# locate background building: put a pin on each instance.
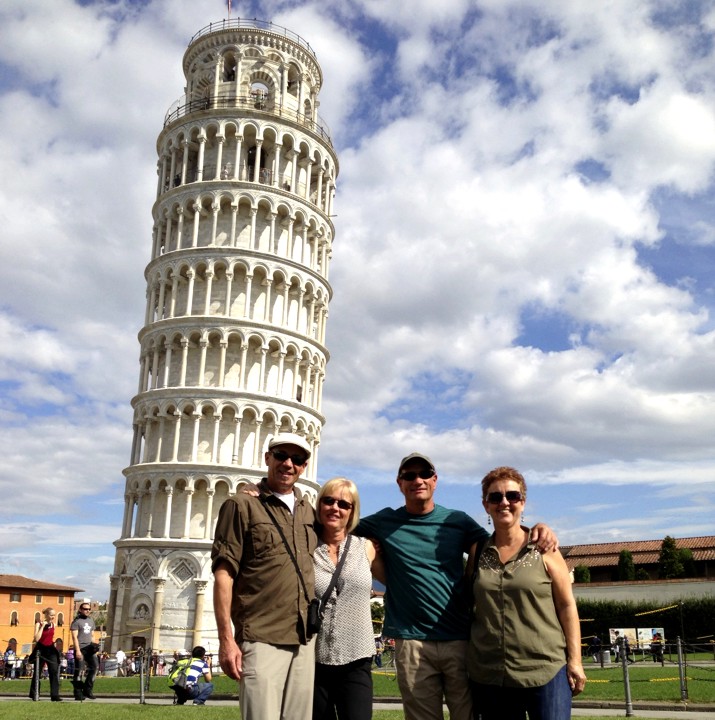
(22, 601)
(232, 348)
(602, 558)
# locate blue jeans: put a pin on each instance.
(546, 702)
(199, 692)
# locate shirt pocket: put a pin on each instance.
(265, 540)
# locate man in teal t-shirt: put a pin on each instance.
(423, 545)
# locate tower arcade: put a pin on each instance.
(232, 349)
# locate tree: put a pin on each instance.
(669, 564)
(581, 574)
(642, 574)
(626, 568)
(377, 610)
(685, 555)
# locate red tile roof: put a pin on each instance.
(645, 552)
(18, 582)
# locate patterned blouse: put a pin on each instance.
(346, 634)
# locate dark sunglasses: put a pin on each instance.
(283, 456)
(512, 496)
(411, 475)
(330, 501)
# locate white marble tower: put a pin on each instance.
(233, 342)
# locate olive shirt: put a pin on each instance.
(516, 636)
(269, 604)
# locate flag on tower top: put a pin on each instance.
(228, 2)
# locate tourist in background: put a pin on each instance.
(46, 651)
(85, 653)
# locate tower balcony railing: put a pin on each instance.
(267, 25)
(185, 106)
(246, 173)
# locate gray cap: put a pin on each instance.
(289, 439)
(416, 456)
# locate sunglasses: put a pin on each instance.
(85, 609)
(330, 501)
(411, 475)
(283, 456)
(512, 496)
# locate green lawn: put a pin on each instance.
(26, 710)
(648, 681)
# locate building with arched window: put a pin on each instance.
(233, 342)
(22, 601)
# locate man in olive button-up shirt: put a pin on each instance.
(257, 589)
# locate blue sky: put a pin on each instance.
(523, 269)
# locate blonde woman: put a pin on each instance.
(345, 643)
(45, 648)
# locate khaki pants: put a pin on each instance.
(277, 681)
(427, 671)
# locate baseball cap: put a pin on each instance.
(289, 439)
(416, 456)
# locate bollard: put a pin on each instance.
(626, 678)
(36, 676)
(681, 672)
(140, 658)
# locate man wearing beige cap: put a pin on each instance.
(423, 546)
(258, 590)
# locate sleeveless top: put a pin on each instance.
(346, 633)
(516, 638)
(48, 635)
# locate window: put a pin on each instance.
(37, 617)
(60, 619)
(15, 597)
(60, 599)
(38, 598)
(13, 619)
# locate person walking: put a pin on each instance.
(85, 653)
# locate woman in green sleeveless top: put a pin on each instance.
(525, 646)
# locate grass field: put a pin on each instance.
(25, 710)
(648, 681)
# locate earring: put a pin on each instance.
(489, 519)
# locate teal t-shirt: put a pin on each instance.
(423, 554)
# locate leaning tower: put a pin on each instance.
(233, 342)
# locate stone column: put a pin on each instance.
(200, 586)
(158, 609)
(167, 518)
(111, 613)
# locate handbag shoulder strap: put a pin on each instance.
(287, 546)
(336, 573)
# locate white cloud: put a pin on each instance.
(502, 174)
